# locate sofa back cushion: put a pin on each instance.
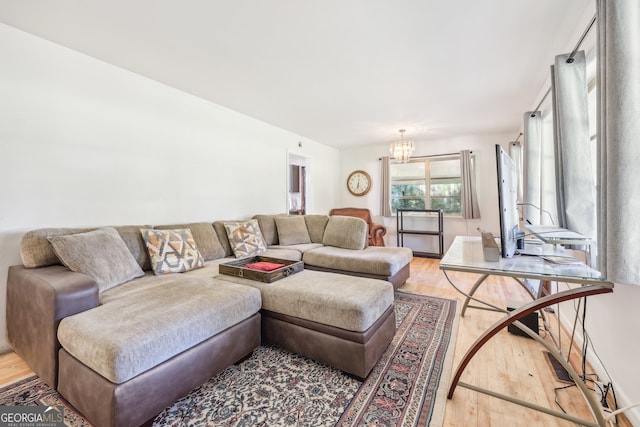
(205, 237)
(346, 232)
(268, 227)
(292, 230)
(36, 250)
(100, 254)
(221, 232)
(316, 225)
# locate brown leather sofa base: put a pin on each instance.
(352, 352)
(136, 401)
(37, 299)
(396, 280)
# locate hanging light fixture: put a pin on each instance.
(402, 150)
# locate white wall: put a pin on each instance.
(483, 147)
(85, 143)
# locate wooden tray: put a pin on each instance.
(238, 269)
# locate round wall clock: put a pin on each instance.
(359, 183)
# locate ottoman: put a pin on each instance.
(343, 321)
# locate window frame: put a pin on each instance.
(428, 196)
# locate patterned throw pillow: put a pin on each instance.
(245, 238)
(172, 251)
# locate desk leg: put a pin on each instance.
(471, 292)
(515, 316)
(469, 296)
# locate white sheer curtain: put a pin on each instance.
(532, 139)
(470, 206)
(515, 152)
(618, 133)
(576, 194)
(385, 196)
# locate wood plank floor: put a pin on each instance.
(508, 364)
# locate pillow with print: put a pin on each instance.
(245, 238)
(172, 251)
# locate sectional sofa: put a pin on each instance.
(125, 320)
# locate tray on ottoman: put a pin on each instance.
(239, 269)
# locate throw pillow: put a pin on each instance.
(292, 230)
(245, 238)
(100, 254)
(172, 251)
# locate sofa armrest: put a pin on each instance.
(37, 299)
(377, 233)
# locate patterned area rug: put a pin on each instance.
(277, 388)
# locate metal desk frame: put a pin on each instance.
(465, 255)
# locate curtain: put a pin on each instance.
(515, 152)
(576, 196)
(618, 148)
(385, 197)
(532, 135)
(470, 206)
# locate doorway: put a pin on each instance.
(298, 185)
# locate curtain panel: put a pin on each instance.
(385, 196)
(618, 148)
(576, 195)
(470, 205)
(532, 140)
(515, 152)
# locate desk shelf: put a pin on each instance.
(439, 233)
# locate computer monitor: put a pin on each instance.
(507, 201)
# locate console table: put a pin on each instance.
(465, 255)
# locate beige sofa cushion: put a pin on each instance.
(301, 248)
(346, 232)
(292, 230)
(221, 232)
(347, 302)
(205, 237)
(268, 228)
(36, 251)
(316, 225)
(382, 261)
(164, 316)
(100, 254)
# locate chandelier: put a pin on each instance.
(402, 150)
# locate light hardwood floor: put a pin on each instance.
(508, 364)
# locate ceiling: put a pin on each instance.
(340, 72)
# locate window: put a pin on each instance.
(432, 183)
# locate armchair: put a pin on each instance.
(376, 231)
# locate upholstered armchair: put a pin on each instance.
(376, 231)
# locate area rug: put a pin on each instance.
(277, 388)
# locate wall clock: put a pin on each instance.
(359, 183)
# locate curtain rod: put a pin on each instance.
(433, 155)
(569, 60)
(575, 49)
(517, 138)
(533, 112)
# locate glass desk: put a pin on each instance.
(465, 255)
